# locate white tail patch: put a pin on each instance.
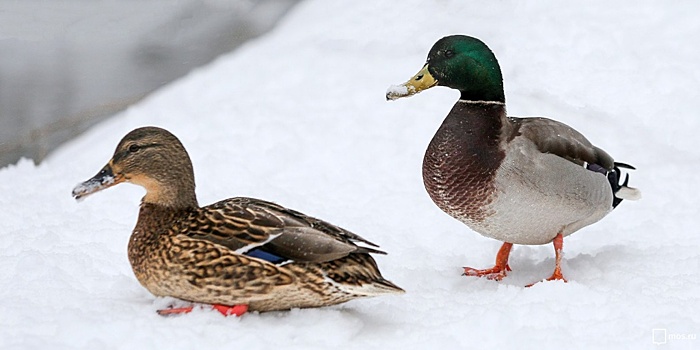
(629, 193)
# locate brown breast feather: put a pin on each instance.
(461, 160)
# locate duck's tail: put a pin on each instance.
(622, 191)
(358, 274)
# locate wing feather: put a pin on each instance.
(557, 138)
(242, 224)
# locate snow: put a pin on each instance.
(299, 117)
(91, 186)
(396, 91)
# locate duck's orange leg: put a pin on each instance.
(558, 246)
(225, 310)
(499, 270)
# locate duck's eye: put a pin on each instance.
(134, 148)
(449, 53)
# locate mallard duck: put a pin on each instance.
(518, 180)
(238, 254)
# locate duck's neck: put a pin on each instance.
(492, 93)
(153, 218)
(473, 129)
(176, 193)
(150, 217)
(479, 82)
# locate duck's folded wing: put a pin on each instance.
(294, 218)
(232, 225)
(272, 232)
(557, 138)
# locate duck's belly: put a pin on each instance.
(535, 197)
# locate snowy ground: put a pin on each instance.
(299, 117)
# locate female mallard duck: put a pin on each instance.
(517, 180)
(237, 254)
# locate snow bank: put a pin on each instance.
(299, 117)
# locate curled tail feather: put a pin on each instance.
(622, 191)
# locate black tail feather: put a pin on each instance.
(614, 179)
(625, 166)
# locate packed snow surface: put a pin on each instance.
(299, 117)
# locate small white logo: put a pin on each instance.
(658, 336)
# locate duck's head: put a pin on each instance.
(458, 62)
(153, 158)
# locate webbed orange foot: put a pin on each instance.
(236, 310)
(226, 310)
(495, 273)
(499, 270)
(175, 311)
(557, 275)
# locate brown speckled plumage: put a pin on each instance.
(198, 254)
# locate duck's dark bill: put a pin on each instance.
(105, 178)
(423, 80)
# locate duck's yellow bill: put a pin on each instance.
(421, 81)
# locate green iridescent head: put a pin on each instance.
(458, 62)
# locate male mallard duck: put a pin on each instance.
(237, 254)
(517, 180)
